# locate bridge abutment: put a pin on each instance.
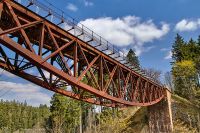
(160, 116)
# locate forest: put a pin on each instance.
(72, 116)
(186, 68)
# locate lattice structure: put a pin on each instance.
(69, 60)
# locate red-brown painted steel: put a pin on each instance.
(94, 76)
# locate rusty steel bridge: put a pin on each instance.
(68, 58)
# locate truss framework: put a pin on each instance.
(29, 41)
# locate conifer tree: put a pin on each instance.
(186, 66)
(198, 41)
(64, 114)
(133, 59)
(177, 48)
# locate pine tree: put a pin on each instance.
(177, 48)
(190, 50)
(198, 41)
(16, 116)
(58, 110)
(64, 114)
(133, 59)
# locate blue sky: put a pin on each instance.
(148, 27)
(170, 12)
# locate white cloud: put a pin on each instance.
(127, 31)
(88, 3)
(21, 92)
(72, 7)
(168, 56)
(164, 49)
(47, 75)
(168, 53)
(6, 73)
(187, 25)
(139, 49)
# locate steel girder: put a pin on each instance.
(29, 41)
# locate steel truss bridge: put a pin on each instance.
(59, 54)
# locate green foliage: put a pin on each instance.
(126, 120)
(182, 100)
(177, 48)
(184, 69)
(137, 122)
(185, 112)
(62, 116)
(133, 59)
(15, 115)
(184, 78)
(186, 66)
(65, 113)
(110, 120)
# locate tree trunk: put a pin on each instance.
(81, 130)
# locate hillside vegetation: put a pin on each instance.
(186, 118)
(19, 116)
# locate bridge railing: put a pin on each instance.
(61, 19)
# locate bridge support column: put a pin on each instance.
(160, 116)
